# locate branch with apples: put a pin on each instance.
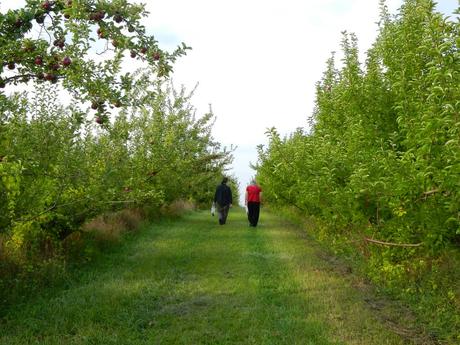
(53, 41)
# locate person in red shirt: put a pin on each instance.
(252, 202)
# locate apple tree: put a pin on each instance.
(81, 43)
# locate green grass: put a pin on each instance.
(191, 281)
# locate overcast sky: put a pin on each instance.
(257, 61)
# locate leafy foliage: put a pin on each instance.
(59, 170)
(382, 160)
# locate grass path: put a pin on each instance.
(192, 281)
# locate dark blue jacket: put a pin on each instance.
(223, 195)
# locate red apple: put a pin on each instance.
(59, 42)
(66, 61)
(11, 65)
(39, 60)
(50, 77)
(46, 5)
(118, 18)
(156, 56)
(97, 16)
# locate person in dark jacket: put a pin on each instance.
(223, 200)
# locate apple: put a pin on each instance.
(46, 5)
(40, 19)
(143, 50)
(11, 65)
(28, 47)
(50, 77)
(133, 54)
(156, 56)
(99, 120)
(38, 60)
(97, 16)
(101, 33)
(18, 23)
(118, 18)
(66, 61)
(59, 42)
(94, 105)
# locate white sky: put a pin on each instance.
(257, 61)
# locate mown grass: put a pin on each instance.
(191, 281)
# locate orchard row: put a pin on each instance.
(380, 167)
(57, 169)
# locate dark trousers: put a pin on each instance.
(253, 212)
(222, 212)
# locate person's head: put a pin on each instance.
(224, 180)
(253, 181)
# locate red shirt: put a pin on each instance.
(253, 193)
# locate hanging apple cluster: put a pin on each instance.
(48, 41)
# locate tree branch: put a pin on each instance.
(392, 244)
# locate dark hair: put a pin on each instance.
(224, 180)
